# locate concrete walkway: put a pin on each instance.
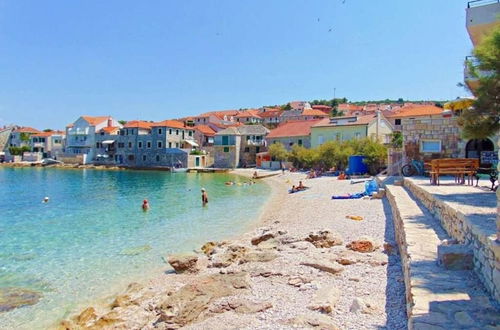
(437, 298)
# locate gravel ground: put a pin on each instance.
(376, 278)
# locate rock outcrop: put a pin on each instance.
(11, 298)
(183, 263)
(364, 244)
(324, 239)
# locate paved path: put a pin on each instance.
(442, 299)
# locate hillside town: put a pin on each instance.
(240, 138)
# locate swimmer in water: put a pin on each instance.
(204, 197)
(145, 205)
(45, 200)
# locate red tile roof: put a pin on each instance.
(314, 112)
(95, 120)
(171, 123)
(205, 130)
(138, 124)
(27, 130)
(349, 107)
(271, 113)
(110, 129)
(416, 111)
(293, 128)
(219, 114)
(252, 113)
(45, 134)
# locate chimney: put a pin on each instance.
(110, 122)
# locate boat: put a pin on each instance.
(179, 170)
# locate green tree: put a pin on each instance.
(122, 122)
(25, 137)
(48, 130)
(278, 152)
(286, 107)
(18, 151)
(483, 119)
(397, 139)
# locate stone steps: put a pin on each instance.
(437, 298)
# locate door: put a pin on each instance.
(197, 162)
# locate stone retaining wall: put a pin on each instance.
(460, 227)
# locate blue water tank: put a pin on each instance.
(356, 165)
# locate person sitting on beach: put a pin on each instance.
(311, 175)
(301, 186)
(145, 205)
(294, 189)
(255, 175)
(342, 176)
(204, 197)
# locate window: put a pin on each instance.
(177, 144)
(148, 144)
(130, 144)
(157, 158)
(139, 144)
(299, 142)
(247, 149)
(160, 145)
(144, 158)
(226, 149)
(357, 135)
(257, 150)
(97, 145)
(225, 140)
(160, 131)
(121, 145)
(170, 144)
(290, 144)
(130, 157)
(430, 145)
(176, 132)
(170, 131)
(190, 133)
(397, 122)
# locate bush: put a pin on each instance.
(18, 151)
(278, 152)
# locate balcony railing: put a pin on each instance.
(478, 3)
(255, 143)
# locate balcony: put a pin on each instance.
(472, 73)
(481, 17)
(255, 143)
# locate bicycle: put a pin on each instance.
(415, 167)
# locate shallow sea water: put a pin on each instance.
(93, 238)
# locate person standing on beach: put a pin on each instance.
(204, 197)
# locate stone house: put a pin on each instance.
(162, 144)
(204, 135)
(350, 128)
(292, 133)
(21, 136)
(270, 116)
(238, 146)
(50, 144)
(81, 137)
(250, 116)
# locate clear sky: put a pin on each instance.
(162, 59)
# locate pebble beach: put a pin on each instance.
(308, 262)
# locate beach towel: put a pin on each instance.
(350, 196)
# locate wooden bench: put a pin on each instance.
(458, 167)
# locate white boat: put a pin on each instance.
(179, 170)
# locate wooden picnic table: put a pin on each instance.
(458, 167)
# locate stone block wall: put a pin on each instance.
(436, 128)
(485, 247)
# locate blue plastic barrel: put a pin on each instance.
(356, 165)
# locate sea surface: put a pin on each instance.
(92, 238)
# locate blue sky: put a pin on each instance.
(163, 59)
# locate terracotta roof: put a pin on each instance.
(314, 112)
(271, 113)
(171, 123)
(45, 134)
(110, 129)
(322, 107)
(205, 130)
(349, 107)
(293, 128)
(416, 111)
(360, 120)
(27, 130)
(235, 124)
(95, 120)
(138, 124)
(248, 113)
(220, 114)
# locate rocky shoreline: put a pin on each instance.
(311, 263)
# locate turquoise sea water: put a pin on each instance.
(93, 238)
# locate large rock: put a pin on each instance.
(364, 244)
(261, 238)
(183, 263)
(325, 300)
(324, 265)
(86, 316)
(11, 298)
(122, 301)
(361, 306)
(227, 255)
(241, 305)
(188, 304)
(324, 239)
